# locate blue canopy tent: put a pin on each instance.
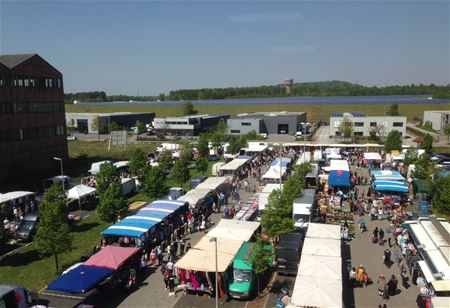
(149, 212)
(339, 178)
(131, 226)
(382, 182)
(387, 175)
(165, 205)
(81, 279)
(394, 188)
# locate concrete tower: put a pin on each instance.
(288, 85)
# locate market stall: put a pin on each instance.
(214, 183)
(81, 192)
(321, 247)
(234, 229)
(310, 291)
(195, 196)
(234, 166)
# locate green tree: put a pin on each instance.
(180, 172)
(275, 220)
(155, 183)
(261, 257)
(216, 139)
(166, 161)
(52, 232)
(346, 128)
(138, 164)
(221, 128)
(393, 141)
(440, 190)
(202, 146)
(427, 144)
(188, 108)
(393, 110)
(201, 165)
(422, 167)
(186, 155)
(112, 204)
(140, 127)
(104, 178)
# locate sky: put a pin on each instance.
(152, 47)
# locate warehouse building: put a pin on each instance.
(99, 123)
(266, 122)
(32, 129)
(363, 125)
(438, 118)
(190, 125)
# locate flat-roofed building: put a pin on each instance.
(32, 124)
(190, 125)
(363, 125)
(438, 118)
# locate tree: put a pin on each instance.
(216, 139)
(236, 144)
(139, 165)
(275, 220)
(422, 167)
(52, 231)
(221, 128)
(346, 128)
(188, 108)
(155, 183)
(393, 110)
(201, 165)
(166, 161)
(440, 191)
(186, 155)
(202, 146)
(427, 144)
(112, 204)
(140, 126)
(393, 141)
(261, 257)
(180, 172)
(104, 178)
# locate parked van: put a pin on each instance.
(302, 208)
(287, 254)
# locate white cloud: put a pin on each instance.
(265, 17)
(293, 49)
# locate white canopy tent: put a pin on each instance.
(305, 157)
(234, 229)
(122, 164)
(95, 167)
(204, 261)
(324, 231)
(333, 155)
(263, 200)
(213, 183)
(339, 164)
(194, 196)
(372, 156)
(224, 245)
(316, 292)
(79, 192)
(274, 172)
(234, 165)
(14, 195)
(256, 147)
(329, 267)
(321, 247)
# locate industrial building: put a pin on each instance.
(190, 125)
(363, 125)
(32, 125)
(99, 123)
(266, 122)
(438, 118)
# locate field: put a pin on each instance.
(314, 112)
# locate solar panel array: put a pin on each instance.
(298, 100)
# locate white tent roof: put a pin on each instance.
(274, 172)
(95, 167)
(234, 229)
(321, 266)
(305, 157)
(234, 165)
(80, 191)
(316, 230)
(316, 292)
(268, 188)
(372, 156)
(263, 200)
(224, 245)
(121, 164)
(194, 196)
(204, 261)
(333, 155)
(256, 147)
(321, 247)
(213, 183)
(14, 195)
(339, 164)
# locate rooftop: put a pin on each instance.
(14, 60)
(260, 115)
(104, 114)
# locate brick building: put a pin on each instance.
(32, 120)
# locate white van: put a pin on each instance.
(168, 147)
(302, 208)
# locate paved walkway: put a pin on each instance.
(362, 251)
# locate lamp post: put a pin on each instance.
(62, 171)
(214, 239)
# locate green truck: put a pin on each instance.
(244, 277)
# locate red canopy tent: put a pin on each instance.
(112, 256)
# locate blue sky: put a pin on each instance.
(149, 47)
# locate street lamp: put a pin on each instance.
(214, 239)
(62, 172)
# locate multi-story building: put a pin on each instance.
(190, 125)
(438, 118)
(32, 125)
(363, 125)
(266, 122)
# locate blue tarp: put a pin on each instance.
(277, 163)
(124, 231)
(339, 178)
(132, 226)
(172, 205)
(388, 175)
(137, 221)
(383, 182)
(149, 212)
(81, 279)
(396, 188)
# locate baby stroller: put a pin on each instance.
(279, 303)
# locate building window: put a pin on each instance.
(26, 82)
(373, 124)
(397, 124)
(358, 124)
(246, 124)
(235, 131)
(358, 133)
(59, 83)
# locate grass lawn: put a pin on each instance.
(26, 268)
(314, 112)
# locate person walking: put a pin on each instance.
(404, 275)
(387, 258)
(381, 235)
(159, 255)
(382, 286)
(166, 276)
(352, 276)
(361, 273)
(375, 235)
(392, 285)
(182, 245)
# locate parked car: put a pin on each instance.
(174, 193)
(197, 180)
(27, 228)
(214, 157)
(298, 134)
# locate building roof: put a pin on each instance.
(356, 114)
(105, 114)
(14, 60)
